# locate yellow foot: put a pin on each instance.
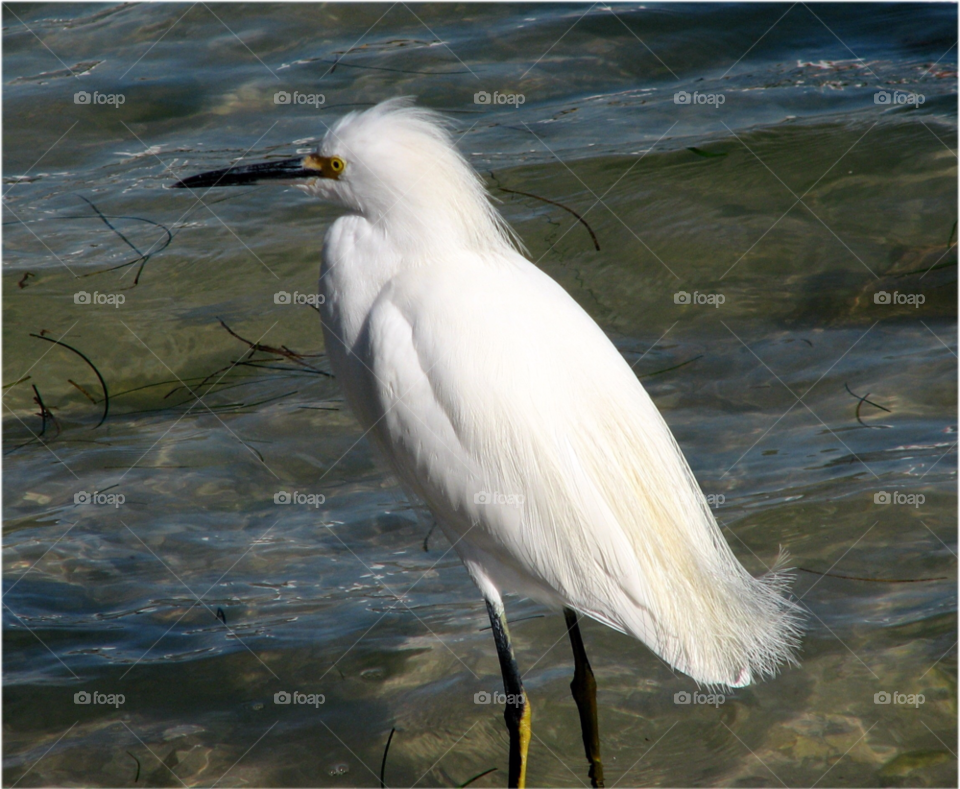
(525, 731)
(519, 730)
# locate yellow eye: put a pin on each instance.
(337, 164)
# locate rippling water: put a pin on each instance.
(797, 201)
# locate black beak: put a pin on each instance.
(243, 175)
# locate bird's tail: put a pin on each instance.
(669, 578)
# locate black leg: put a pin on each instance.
(517, 712)
(584, 688)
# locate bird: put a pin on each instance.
(499, 402)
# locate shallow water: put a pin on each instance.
(341, 599)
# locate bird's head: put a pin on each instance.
(396, 165)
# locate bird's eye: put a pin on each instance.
(337, 164)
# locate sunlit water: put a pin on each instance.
(798, 200)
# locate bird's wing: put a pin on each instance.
(513, 415)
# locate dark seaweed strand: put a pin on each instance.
(137, 776)
(106, 221)
(285, 352)
(863, 400)
(674, 367)
(103, 384)
(44, 413)
(383, 764)
(580, 219)
(477, 777)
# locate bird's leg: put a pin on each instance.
(584, 689)
(517, 712)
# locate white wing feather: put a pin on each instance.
(612, 521)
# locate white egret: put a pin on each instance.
(495, 398)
